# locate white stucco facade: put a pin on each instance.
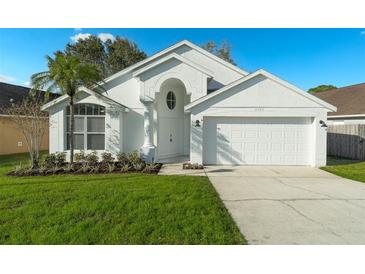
(162, 108)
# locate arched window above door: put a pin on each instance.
(171, 100)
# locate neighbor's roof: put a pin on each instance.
(15, 94)
(349, 100)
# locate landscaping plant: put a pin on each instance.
(67, 74)
(55, 163)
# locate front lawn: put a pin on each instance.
(111, 209)
(349, 169)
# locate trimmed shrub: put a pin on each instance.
(49, 160)
(139, 166)
(60, 158)
(107, 157)
(122, 157)
(125, 168)
(134, 158)
(92, 159)
(80, 156)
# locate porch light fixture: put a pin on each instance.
(197, 123)
(323, 124)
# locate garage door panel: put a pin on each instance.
(236, 133)
(289, 148)
(247, 159)
(276, 147)
(249, 147)
(276, 159)
(276, 134)
(259, 141)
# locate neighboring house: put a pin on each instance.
(11, 139)
(185, 101)
(350, 102)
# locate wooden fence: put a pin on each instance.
(346, 141)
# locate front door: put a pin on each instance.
(170, 137)
(170, 121)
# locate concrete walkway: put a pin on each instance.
(176, 169)
(292, 205)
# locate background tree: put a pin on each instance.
(321, 88)
(110, 56)
(67, 73)
(90, 50)
(122, 53)
(223, 50)
(31, 122)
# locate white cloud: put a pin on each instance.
(27, 83)
(79, 36)
(105, 36)
(6, 79)
(102, 36)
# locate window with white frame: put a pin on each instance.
(89, 129)
(171, 100)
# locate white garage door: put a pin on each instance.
(257, 141)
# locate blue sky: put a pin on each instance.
(304, 57)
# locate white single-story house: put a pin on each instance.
(185, 101)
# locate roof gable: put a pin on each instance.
(171, 57)
(170, 49)
(263, 99)
(87, 91)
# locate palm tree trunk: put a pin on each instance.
(72, 128)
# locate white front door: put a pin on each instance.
(170, 111)
(170, 137)
(257, 141)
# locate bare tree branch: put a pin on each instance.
(31, 121)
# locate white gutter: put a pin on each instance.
(346, 116)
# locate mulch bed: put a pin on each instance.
(80, 169)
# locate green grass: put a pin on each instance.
(349, 169)
(111, 209)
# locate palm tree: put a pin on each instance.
(66, 73)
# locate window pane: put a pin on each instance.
(76, 109)
(102, 110)
(68, 124)
(96, 124)
(89, 109)
(82, 109)
(78, 143)
(95, 141)
(170, 100)
(79, 124)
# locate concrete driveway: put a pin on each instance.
(291, 205)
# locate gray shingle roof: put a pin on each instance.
(14, 94)
(348, 100)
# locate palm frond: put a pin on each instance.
(39, 80)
